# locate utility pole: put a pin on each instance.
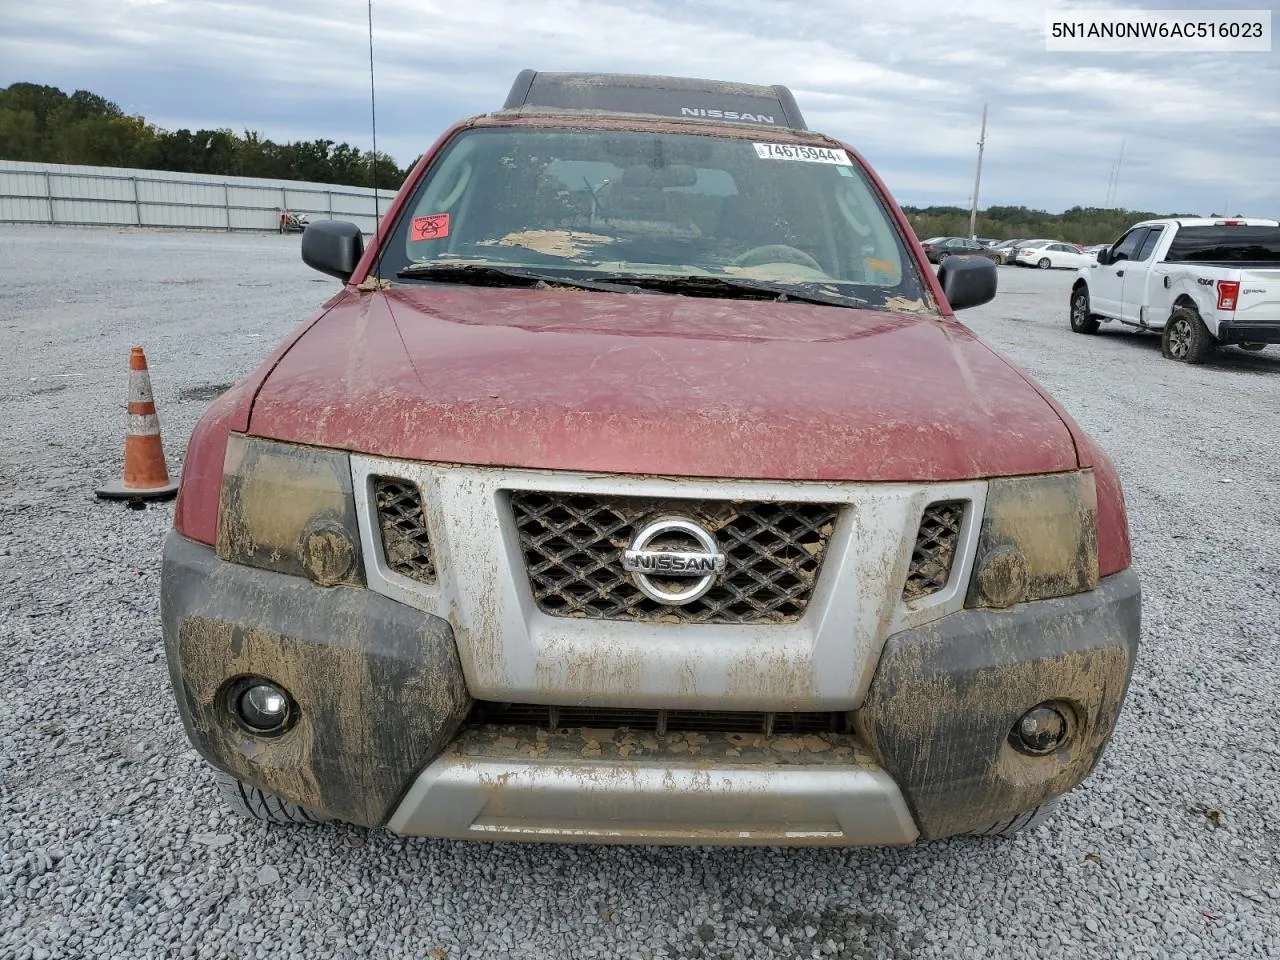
(373, 122)
(977, 180)
(1113, 183)
(1119, 163)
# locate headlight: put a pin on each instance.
(289, 509)
(1039, 539)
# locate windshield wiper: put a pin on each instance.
(487, 274)
(712, 284)
(492, 275)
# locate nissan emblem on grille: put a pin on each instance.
(573, 546)
(660, 552)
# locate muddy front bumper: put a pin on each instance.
(383, 738)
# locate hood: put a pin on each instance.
(658, 384)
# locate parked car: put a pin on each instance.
(603, 503)
(1004, 250)
(933, 245)
(1014, 248)
(1052, 255)
(1200, 282)
(938, 249)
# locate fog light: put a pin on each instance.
(1040, 730)
(264, 707)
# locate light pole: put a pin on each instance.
(977, 180)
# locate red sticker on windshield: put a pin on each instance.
(433, 227)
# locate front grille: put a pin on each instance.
(935, 549)
(656, 721)
(573, 545)
(403, 525)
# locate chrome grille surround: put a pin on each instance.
(512, 651)
(573, 544)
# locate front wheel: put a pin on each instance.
(1044, 263)
(1082, 321)
(1185, 338)
(1023, 822)
(254, 804)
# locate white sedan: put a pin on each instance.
(1052, 255)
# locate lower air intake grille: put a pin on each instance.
(404, 528)
(656, 721)
(935, 549)
(573, 546)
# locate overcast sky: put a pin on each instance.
(902, 81)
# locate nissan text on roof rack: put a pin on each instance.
(1200, 282)
(639, 485)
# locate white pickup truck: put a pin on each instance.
(1200, 282)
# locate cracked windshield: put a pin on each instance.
(667, 212)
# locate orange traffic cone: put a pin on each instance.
(145, 475)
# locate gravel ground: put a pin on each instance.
(112, 842)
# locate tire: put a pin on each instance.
(1185, 338)
(1044, 263)
(1082, 321)
(1022, 823)
(254, 804)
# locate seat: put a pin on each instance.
(639, 194)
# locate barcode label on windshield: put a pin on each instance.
(793, 151)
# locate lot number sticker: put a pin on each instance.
(793, 151)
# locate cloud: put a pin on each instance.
(904, 83)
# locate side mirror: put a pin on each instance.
(333, 247)
(968, 281)
(1104, 255)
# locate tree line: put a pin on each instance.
(1083, 225)
(42, 123)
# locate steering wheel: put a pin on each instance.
(464, 177)
(846, 202)
(776, 253)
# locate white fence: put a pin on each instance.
(114, 196)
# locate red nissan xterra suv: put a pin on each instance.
(640, 486)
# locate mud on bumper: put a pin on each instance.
(382, 737)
